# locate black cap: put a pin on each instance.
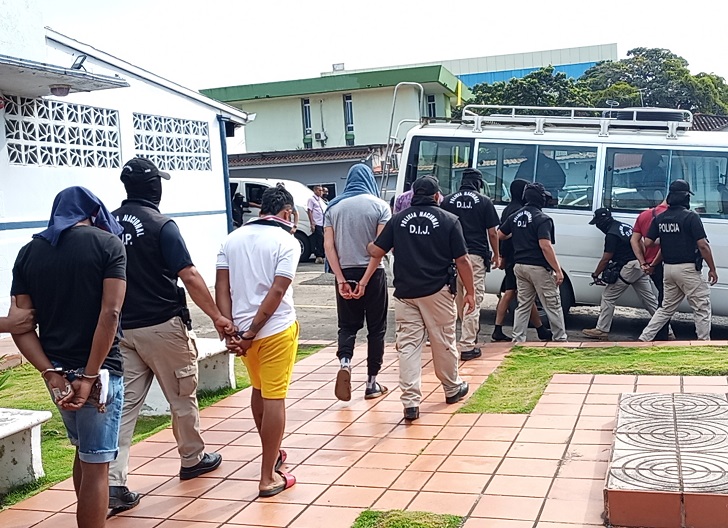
(425, 186)
(599, 214)
(681, 186)
(472, 174)
(141, 169)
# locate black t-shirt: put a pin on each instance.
(679, 230)
(426, 240)
(65, 283)
(527, 226)
(506, 246)
(617, 242)
(477, 214)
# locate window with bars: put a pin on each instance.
(56, 134)
(431, 106)
(172, 144)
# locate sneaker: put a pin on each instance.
(377, 391)
(467, 355)
(319, 260)
(121, 499)
(459, 395)
(411, 413)
(544, 334)
(595, 333)
(209, 462)
(342, 388)
(500, 336)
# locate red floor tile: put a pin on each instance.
(394, 500)
(209, 510)
(400, 445)
(533, 450)
(186, 488)
(426, 463)
(507, 434)
(349, 496)
(22, 518)
(528, 467)
(481, 448)
(518, 486)
(457, 482)
(547, 436)
(452, 503)
(385, 461)
(374, 478)
(470, 464)
(328, 516)
(301, 493)
(157, 506)
(575, 489)
(412, 480)
(479, 522)
(319, 474)
(501, 420)
(267, 514)
(49, 501)
(562, 512)
(334, 457)
(239, 490)
(505, 507)
(583, 469)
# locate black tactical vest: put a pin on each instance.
(152, 295)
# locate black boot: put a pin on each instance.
(120, 498)
(544, 334)
(498, 334)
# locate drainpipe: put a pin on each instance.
(226, 173)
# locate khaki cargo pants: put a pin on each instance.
(471, 322)
(633, 276)
(535, 281)
(681, 281)
(167, 352)
(435, 314)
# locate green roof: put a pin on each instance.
(338, 83)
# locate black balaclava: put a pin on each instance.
(472, 179)
(536, 195)
(516, 189)
(679, 198)
(603, 224)
(150, 190)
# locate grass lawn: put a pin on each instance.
(518, 383)
(25, 389)
(405, 519)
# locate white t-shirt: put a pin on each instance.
(254, 255)
(317, 206)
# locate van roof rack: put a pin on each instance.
(601, 118)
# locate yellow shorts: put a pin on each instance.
(270, 362)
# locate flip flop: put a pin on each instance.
(288, 482)
(282, 456)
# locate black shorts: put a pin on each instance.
(509, 282)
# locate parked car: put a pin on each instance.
(246, 194)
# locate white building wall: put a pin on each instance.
(21, 30)
(279, 121)
(195, 199)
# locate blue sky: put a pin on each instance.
(227, 42)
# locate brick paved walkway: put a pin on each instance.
(543, 470)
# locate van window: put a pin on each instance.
(254, 193)
(566, 171)
(637, 179)
(445, 159)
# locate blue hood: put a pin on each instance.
(360, 180)
(71, 206)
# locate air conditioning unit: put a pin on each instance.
(320, 136)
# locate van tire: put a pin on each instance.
(305, 244)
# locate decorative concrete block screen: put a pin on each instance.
(173, 144)
(56, 134)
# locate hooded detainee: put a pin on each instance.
(74, 274)
(353, 220)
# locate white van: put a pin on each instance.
(251, 190)
(623, 159)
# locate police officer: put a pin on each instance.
(479, 221)
(156, 342)
(426, 240)
(618, 251)
(537, 269)
(684, 246)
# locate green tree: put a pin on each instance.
(543, 87)
(662, 78)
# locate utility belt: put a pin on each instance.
(613, 272)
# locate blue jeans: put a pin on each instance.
(96, 434)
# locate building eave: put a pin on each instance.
(228, 112)
(27, 78)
